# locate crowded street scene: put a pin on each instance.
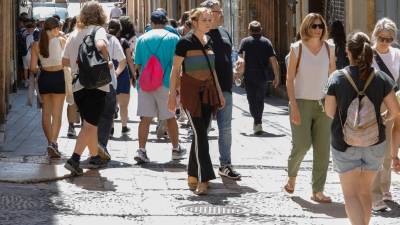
(199, 112)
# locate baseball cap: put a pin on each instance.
(158, 17)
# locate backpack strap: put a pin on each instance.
(299, 57)
(328, 50)
(351, 81)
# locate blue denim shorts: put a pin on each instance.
(367, 158)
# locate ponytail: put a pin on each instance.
(360, 49)
(49, 25)
(44, 44)
(365, 61)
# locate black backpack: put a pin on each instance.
(93, 69)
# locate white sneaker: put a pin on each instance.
(257, 128)
(379, 206)
(178, 153)
(141, 157)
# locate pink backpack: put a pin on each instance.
(152, 74)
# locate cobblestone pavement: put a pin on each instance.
(157, 193)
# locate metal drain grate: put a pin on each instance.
(206, 209)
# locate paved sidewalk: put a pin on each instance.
(157, 193)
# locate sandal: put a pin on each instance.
(320, 198)
(289, 188)
(192, 183)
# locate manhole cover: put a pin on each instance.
(206, 209)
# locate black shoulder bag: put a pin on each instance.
(384, 68)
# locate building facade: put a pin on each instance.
(7, 55)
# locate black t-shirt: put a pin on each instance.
(222, 47)
(125, 44)
(340, 87)
(195, 63)
(258, 50)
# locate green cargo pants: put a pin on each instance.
(314, 130)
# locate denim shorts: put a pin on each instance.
(367, 158)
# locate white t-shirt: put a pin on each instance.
(75, 39)
(116, 53)
(392, 62)
(115, 13)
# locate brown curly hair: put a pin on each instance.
(92, 13)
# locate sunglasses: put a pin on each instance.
(383, 39)
(318, 25)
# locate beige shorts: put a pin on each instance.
(154, 104)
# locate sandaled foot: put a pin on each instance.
(202, 188)
(321, 198)
(192, 183)
(289, 188)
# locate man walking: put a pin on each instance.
(160, 43)
(257, 52)
(222, 47)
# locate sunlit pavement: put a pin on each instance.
(39, 191)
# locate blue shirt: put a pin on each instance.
(147, 44)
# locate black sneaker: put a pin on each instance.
(95, 162)
(228, 172)
(73, 166)
(125, 130)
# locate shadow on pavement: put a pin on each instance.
(122, 138)
(393, 213)
(334, 209)
(93, 181)
(222, 193)
(263, 135)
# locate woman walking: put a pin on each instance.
(51, 81)
(386, 59)
(311, 60)
(337, 36)
(90, 102)
(358, 151)
(123, 84)
(201, 94)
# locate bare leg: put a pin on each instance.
(365, 195)
(143, 130)
(173, 131)
(350, 182)
(123, 101)
(46, 116)
(87, 137)
(57, 108)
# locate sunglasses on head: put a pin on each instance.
(318, 25)
(383, 39)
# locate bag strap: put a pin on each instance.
(301, 50)
(205, 55)
(158, 45)
(351, 81)
(299, 57)
(381, 64)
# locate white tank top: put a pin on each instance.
(55, 54)
(312, 73)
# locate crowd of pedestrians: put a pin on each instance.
(341, 93)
